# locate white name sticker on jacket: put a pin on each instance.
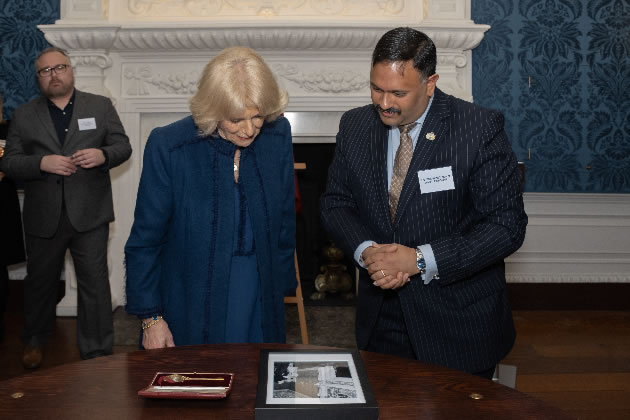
(438, 179)
(87, 124)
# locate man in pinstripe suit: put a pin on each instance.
(432, 284)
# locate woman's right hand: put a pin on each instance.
(157, 336)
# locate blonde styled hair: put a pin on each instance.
(231, 82)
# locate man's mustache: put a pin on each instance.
(392, 109)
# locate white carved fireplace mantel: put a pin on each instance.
(147, 55)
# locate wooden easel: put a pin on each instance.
(297, 299)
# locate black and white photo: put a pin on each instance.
(313, 378)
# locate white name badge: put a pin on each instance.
(438, 179)
(87, 124)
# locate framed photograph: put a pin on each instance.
(305, 384)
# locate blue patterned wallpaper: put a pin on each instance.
(560, 71)
(20, 42)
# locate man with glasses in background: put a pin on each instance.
(62, 145)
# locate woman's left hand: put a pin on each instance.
(157, 336)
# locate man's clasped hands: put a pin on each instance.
(390, 265)
(67, 165)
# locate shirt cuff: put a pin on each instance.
(357, 254)
(429, 259)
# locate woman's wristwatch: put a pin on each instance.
(420, 263)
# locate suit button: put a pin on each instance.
(58, 181)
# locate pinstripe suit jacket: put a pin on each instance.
(87, 194)
(463, 320)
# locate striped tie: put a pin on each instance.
(401, 165)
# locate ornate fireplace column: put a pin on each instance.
(147, 56)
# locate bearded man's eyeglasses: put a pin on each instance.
(48, 71)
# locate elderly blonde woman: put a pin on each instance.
(210, 255)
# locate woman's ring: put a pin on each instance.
(383, 273)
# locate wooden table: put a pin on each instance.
(106, 388)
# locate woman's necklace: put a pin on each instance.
(237, 157)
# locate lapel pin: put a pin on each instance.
(431, 136)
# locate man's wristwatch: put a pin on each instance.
(420, 263)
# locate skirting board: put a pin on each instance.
(569, 296)
(574, 238)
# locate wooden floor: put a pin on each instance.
(576, 360)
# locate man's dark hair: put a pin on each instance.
(404, 44)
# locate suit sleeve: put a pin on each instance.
(16, 162)
(494, 226)
(339, 211)
(149, 232)
(116, 144)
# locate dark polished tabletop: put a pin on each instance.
(106, 388)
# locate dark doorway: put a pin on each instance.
(311, 236)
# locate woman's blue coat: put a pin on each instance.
(179, 252)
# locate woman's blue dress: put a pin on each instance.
(244, 320)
